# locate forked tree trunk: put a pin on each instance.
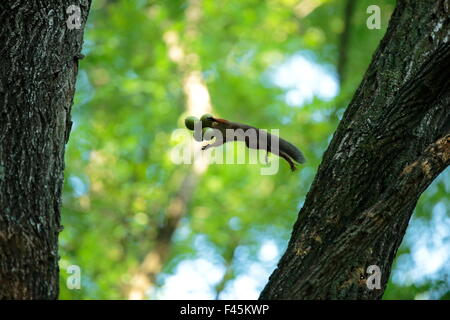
(392, 142)
(38, 66)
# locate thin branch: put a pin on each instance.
(344, 40)
(229, 270)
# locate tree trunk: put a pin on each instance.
(39, 63)
(392, 142)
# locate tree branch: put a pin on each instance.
(344, 40)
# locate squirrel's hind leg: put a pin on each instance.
(289, 160)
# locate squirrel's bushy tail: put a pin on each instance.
(291, 151)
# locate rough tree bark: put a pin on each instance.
(392, 142)
(38, 67)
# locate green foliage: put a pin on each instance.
(119, 178)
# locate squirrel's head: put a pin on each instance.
(207, 120)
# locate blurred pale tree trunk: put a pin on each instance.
(197, 103)
(39, 63)
(393, 140)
